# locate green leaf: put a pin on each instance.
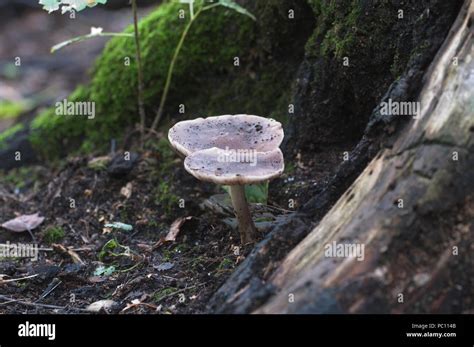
(50, 5)
(104, 271)
(255, 193)
(69, 5)
(236, 7)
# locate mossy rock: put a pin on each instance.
(8, 134)
(366, 46)
(205, 79)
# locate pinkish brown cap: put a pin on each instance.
(240, 132)
(231, 167)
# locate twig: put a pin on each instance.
(17, 279)
(169, 77)
(179, 291)
(61, 45)
(83, 249)
(46, 293)
(28, 303)
(141, 104)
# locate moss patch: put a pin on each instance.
(208, 50)
(6, 135)
(205, 79)
(53, 235)
(12, 109)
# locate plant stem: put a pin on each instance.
(169, 76)
(141, 104)
(246, 226)
(66, 43)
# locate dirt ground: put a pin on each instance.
(81, 261)
(143, 272)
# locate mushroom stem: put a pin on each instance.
(239, 201)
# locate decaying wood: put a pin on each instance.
(412, 210)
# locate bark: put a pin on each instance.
(249, 286)
(411, 208)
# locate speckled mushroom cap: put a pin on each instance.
(243, 132)
(213, 165)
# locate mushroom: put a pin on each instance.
(231, 150)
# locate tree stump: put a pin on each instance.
(411, 210)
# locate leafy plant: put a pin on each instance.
(69, 5)
(113, 249)
(202, 7)
(79, 5)
(255, 193)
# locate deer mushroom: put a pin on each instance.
(231, 150)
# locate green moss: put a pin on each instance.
(19, 177)
(12, 109)
(53, 235)
(205, 79)
(337, 25)
(216, 38)
(161, 294)
(290, 168)
(53, 134)
(9, 133)
(225, 264)
(165, 198)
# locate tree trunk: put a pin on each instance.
(411, 210)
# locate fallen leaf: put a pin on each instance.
(127, 190)
(164, 266)
(68, 251)
(23, 223)
(96, 279)
(101, 305)
(135, 303)
(176, 228)
(173, 233)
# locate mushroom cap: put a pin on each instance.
(233, 132)
(211, 165)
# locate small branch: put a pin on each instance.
(61, 45)
(169, 77)
(141, 103)
(27, 303)
(18, 279)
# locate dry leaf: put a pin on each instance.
(101, 305)
(127, 190)
(23, 223)
(176, 228)
(62, 249)
(173, 233)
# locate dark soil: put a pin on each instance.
(195, 265)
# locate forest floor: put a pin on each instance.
(86, 262)
(172, 261)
